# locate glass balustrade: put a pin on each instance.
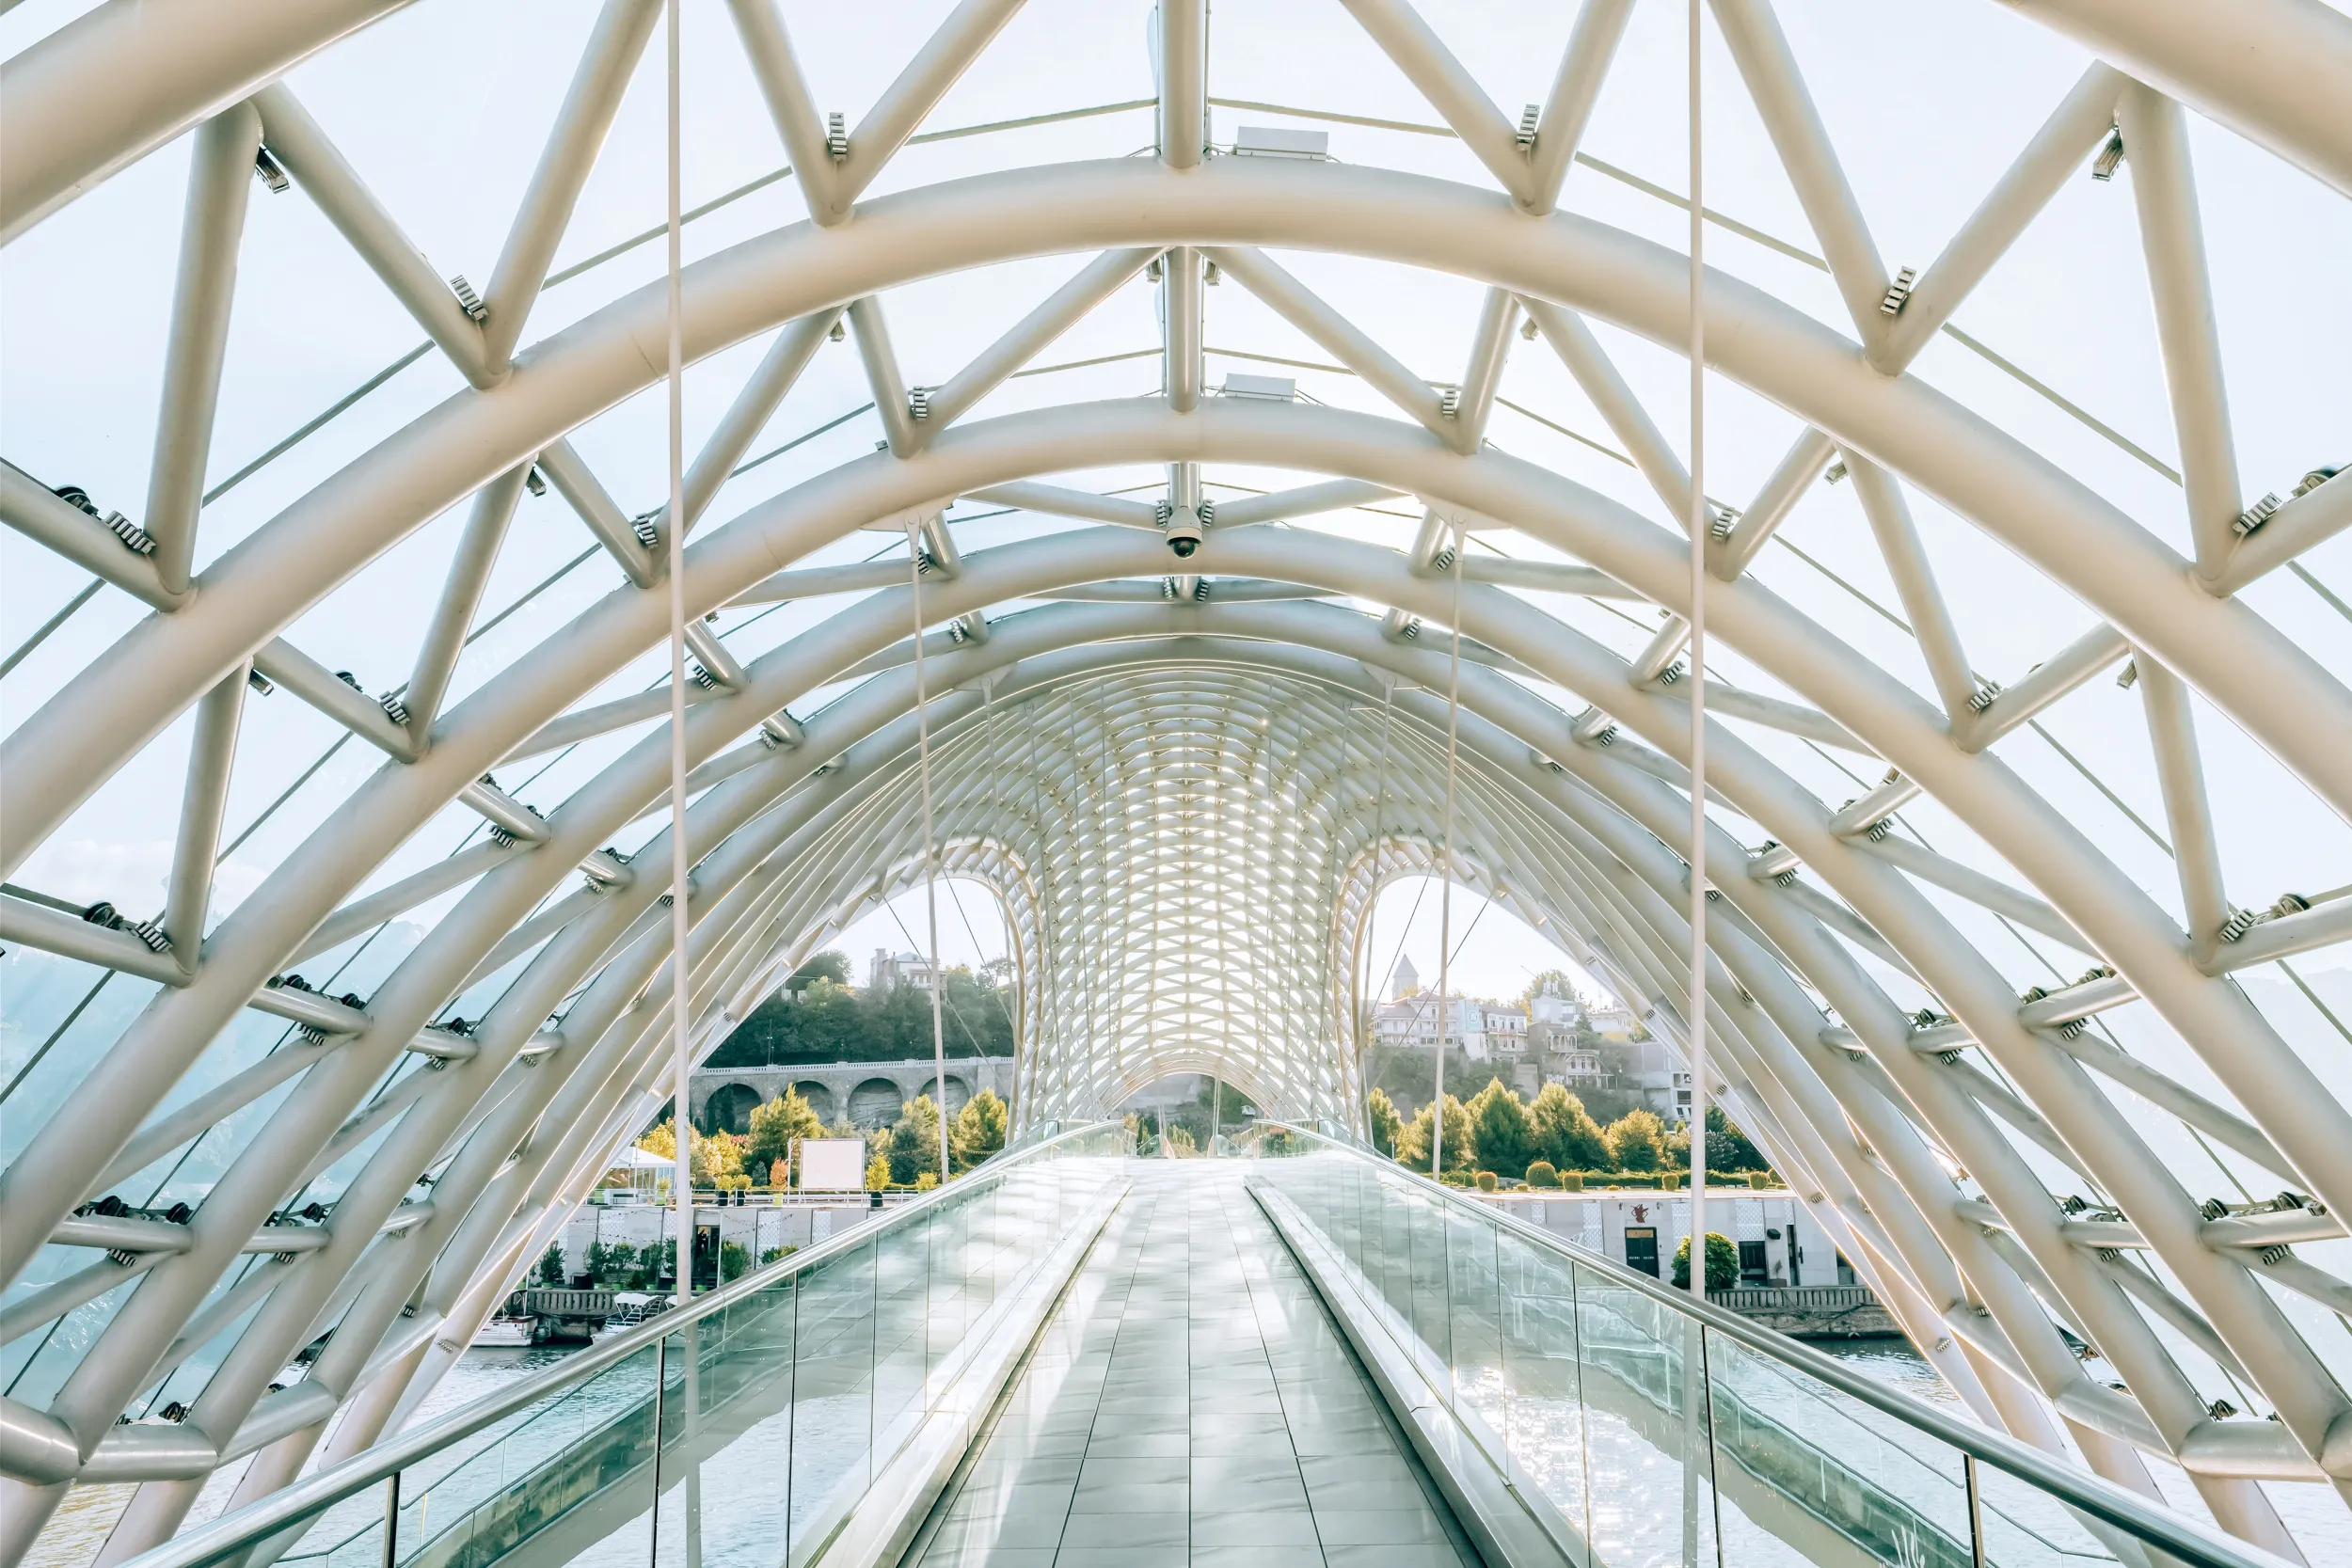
(741, 1430)
(1646, 1432)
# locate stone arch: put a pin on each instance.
(819, 1097)
(730, 1106)
(875, 1103)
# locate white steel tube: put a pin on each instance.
(469, 567)
(1483, 375)
(220, 180)
(779, 369)
(2196, 851)
(1095, 282)
(1181, 293)
(122, 78)
(1452, 90)
(777, 68)
(925, 79)
(1761, 52)
(1906, 560)
(1582, 353)
(1787, 486)
(2155, 140)
(1338, 335)
(570, 475)
(2278, 71)
(2052, 156)
(1583, 66)
(320, 169)
(581, 126)
(211, 754)
(42, 515)
(881, 373)
(1183, 72)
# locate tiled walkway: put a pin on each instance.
(1192, 1405)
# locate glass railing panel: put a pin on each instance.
(579, 1464)
(1473, 1306)
(1645, 1427)
(833, 1394)
(726, 1423)
(1807, 1474)
(1543, 1376)
(2026, 1528)
(956, 1290)
(771, 1408)
(1427, 1308)
(1389, 1236)
(902, 1259)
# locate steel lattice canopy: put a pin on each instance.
(336, 773)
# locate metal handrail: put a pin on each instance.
(2126, 1511)
(316, 1492)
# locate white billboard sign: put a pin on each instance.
(831, 1165)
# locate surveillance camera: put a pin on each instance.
(1185, 526)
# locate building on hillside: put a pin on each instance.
(1656, 1074)
(1551, 1011)
(1612, 1022)
(892, 970)
(1481, 1030)
(1404, 980)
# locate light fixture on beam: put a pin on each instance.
(2111, 155)
(468, 300)
(1899, 291)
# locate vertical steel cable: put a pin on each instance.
(1371, 903)
(1446, 850)
(681, 1003)
(1698, 523)
(1694, 1396)
(930, 861)
(681, 997)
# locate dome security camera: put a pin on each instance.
(1185, 526)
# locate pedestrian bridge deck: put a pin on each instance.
(1192, 1402)
(1073, 1358)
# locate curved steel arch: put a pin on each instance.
(2281, 695)
(1230, 720)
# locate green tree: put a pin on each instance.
(980, 1129)
(1723, 1262)
(1459, 1149)
(1728, 1147)
(1541, 1175)
(733, 1260)
(915, 1140)
(774, 1125)
(1566, 1133)
(551, 1266)
(831, 964)
(716, 1158)
(1501, 1134)
(1380, 1115)
(1637, 1142)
